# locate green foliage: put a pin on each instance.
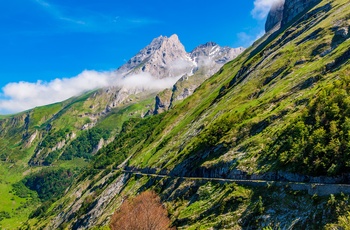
(318, 143)
(53, 138)
(41, 209)
(50, 183)
(51, 157)
(83, 146)
(4, 215)
(134, 132)
(22, 191)
(212, 135)
(259, 207)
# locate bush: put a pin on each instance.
(318, 142)
(50, 184)
(143, 212)
(84, 145)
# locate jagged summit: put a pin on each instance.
(166, 57)
(214, 52)
(156, 58)
(208, 44)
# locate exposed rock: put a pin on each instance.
(59, 146)
(208, 59)
(31, 139)
(73, 136)
(285, 11)
(212, 57)
(99, 146)
(167, 57)
(90, 219)
(180, 94)
(293, 8)
(88, 126)
(164, 57)
(274, 18)
(163, 101)
(342, 32)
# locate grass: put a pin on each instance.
(18, 208)
(115, 120)
(271, 89)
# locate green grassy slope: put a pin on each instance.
(28, 140)
(281, 106)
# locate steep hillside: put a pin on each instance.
(263, 143)
(208, 59)
(45, 148)
(278, 113)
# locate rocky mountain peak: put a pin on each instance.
(208, 44)
(161, 58)
(166, 57)
(174, 38)
(215, 53)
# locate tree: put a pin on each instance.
(144, 212)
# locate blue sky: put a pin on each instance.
(43, 41)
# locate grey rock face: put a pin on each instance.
(274, 18)
(293, 8)
(163, 101)
(167, 57)
(212, 57)
(207, 59)
(284, 11)
(164, 57)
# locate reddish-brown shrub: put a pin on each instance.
(144, 212)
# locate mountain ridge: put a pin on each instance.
(280, 109)
(168, 58)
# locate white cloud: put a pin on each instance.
(262, 8)
(146, 81)
(20, 96)
(259, 12)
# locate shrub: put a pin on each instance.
(143, 212)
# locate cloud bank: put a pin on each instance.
(262, 8)
(20, 96)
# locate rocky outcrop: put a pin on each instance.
(293, 8)
(163, 101)
(99, 146)
(285, 11)
(274, 18)
(185, 87)
(212, 57)
(164, 58)
(90, 219)
(31, 139)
